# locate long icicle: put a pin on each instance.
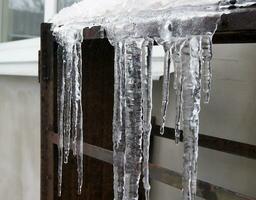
(67, 99)
(166, 84)
(147, 109)
(61, 86)
(133, 119)
(75, 100)
(191, 109)
(118, 122)
(78, 144)
(206, 42)
(70, 126)
(178, 87)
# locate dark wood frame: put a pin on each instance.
(238, 27)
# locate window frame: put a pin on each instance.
(20, 58)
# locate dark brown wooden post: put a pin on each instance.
(98, 90)
(47, 64)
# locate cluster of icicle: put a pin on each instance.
(186, 36)
(70, 113)
(132, 116)
(192, 74)
(133, 103)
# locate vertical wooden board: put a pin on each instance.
(47, 64)
(98, 83)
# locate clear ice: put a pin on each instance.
(190, 109)
(166, 84)
(184, 28)
(178, 87)
(147, 108)
(119, 121)
(70, 113)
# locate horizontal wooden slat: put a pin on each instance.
(215, 143)
(165, 175)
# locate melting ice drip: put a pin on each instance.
(186, 36)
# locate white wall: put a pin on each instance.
(231, 114)
(19, 138)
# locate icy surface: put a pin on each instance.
(184, 28)
(147, 108)
(70, 113)
(119, 121)
(166, 84)
(190, 108)
(133, 117)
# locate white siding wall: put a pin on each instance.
(19, 138)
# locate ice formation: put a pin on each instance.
(184, 28)
(70, 114)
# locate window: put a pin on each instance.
(20, 19)
(65, 3)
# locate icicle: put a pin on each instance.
(68, 63)
(178, 87)
(74, 100)
(118, 121)
(166, 84)
(206, 57)
(61, 86)
(78, 118)
(191, 108)
(133, 118)
(70, 106)
(147, 108)
(77, 112)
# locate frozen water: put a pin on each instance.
(166, 84)
(133, 117)
(70, 126)
(185, 29)
(119, 121)
(178, 80)
(147, 108)
(190, 108)
(206, 42)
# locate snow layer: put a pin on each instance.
(102, 8)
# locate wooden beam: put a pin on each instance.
(214, 143)
(47, 64)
